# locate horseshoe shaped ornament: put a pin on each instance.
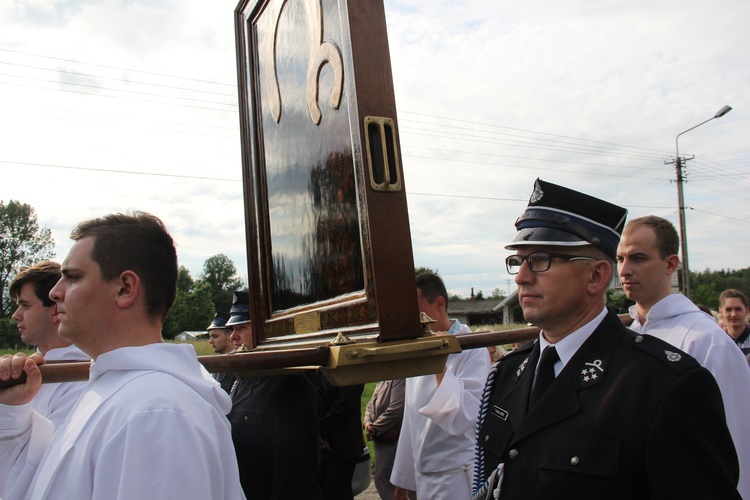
(320, 53)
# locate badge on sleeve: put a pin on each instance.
(674, 357)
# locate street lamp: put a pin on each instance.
(681, 201)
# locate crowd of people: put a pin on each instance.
(588, 409)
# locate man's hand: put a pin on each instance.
(11, 368)
(369, 431)
(400, 494)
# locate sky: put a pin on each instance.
(113, 105)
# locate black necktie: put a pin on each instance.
(545, 375)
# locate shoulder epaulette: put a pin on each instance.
(678, 361)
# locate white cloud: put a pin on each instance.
(490, 95)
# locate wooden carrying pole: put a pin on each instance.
(276, 360)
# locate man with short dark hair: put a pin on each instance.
(647, 259)
(434, 455)
(274, 425)
(733, 309)
(37, 323)
(590, 409)
(147, 405)
(218, 337)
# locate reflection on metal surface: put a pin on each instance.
(320, 53)
(382, 156)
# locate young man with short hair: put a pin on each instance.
(434, 455)
(733, 309)
(147, 405)
(37, 323)
(646, 259)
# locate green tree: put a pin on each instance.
(221, 276)
(22, 243)
(192, 311)
(185, 282)
(422, 269)
(619, 301)
(497, 294)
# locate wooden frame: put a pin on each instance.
(328, 240)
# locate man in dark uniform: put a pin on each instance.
(602, 412)
(274, 426)
(218, 337)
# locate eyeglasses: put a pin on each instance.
(538, 261)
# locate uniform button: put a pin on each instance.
(574, 461)
(639, 339)
(486, 438)
(513, 454)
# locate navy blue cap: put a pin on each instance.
(240, 311)
(219, 322)
(559, 216)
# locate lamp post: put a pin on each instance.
(681, 201)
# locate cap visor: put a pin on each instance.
(544, 236)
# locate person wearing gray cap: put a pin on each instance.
(274, 425)
(591, 409)
(218, 337)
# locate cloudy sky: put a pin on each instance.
(110, 105)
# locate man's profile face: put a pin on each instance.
(242, 334)
(84, 300)
(35, 321)
(643, 272)
(219, 340)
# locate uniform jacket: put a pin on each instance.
(145, 411)
(341, 425)
(629, 416)
(275, 434)
(675, 319)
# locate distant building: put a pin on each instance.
(474, 312)
(186, 336)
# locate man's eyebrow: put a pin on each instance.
(67, 270)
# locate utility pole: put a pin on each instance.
(679, 163)
(685, 273)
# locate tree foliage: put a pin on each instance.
(708, 285)
(422, 269)
(221, 276)
(185, 282)
(192, 311)
(22, 243)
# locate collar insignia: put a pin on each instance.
(522, 368)
(592, 372)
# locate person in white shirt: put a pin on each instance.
(646, 260)
(435, 451)
(147, 407)
(37, 322)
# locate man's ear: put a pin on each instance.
(601, 276)
(129, 289)
(440, 303)
(672, 263)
